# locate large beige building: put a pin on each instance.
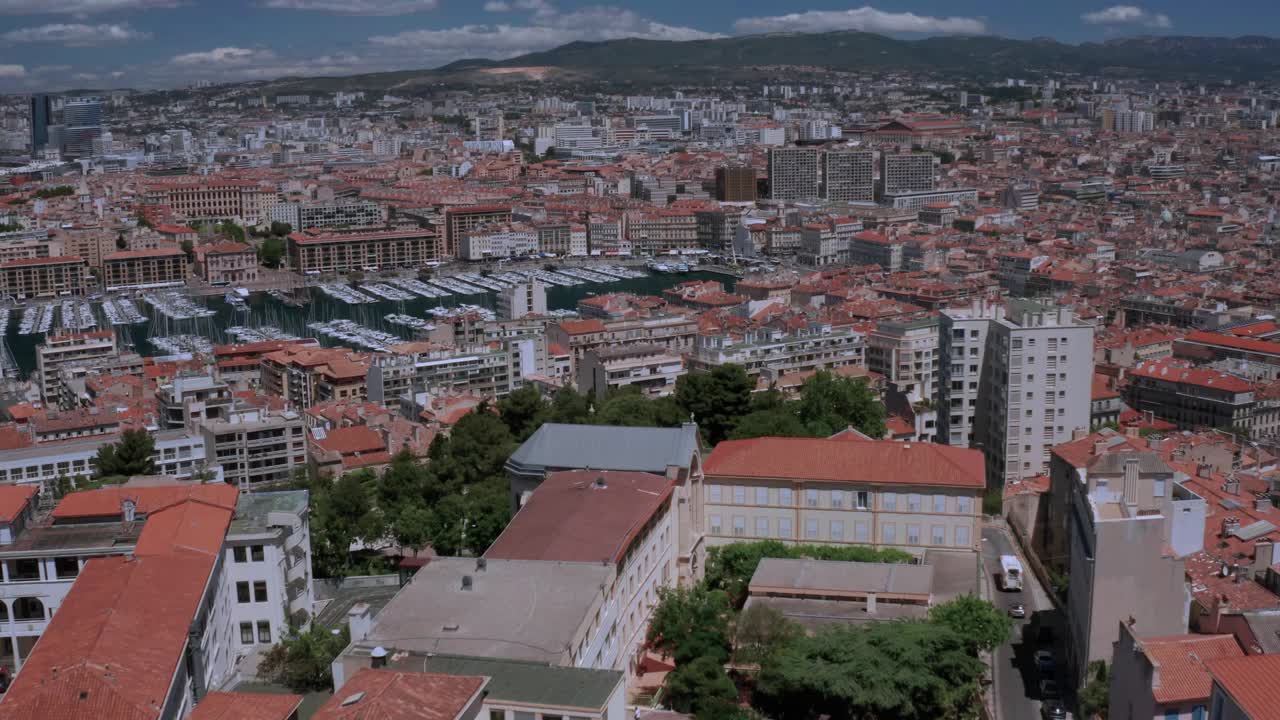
(360, 252)
(849, 175)
(917, 497)
(793, 173)
(60, 352)
(43, 277)
(144, 268)
(214, 199)
(651, 368)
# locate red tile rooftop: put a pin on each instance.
(393, 695)
(879, 461)
(1251, 682)
(24, 262)
(136, 254)
(1247, 344)
(1180, 661)
(245, 706)
(107, 501)
(13, 500)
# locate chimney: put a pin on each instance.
(1204, 470)
(1230, 525)
(1264, 553)
(359, 621)
(481, 564)
(128, 510)
(871, 603)
(378, 658)
(1131, 481)
(1133, 431)
(1231, 486)
(1079, 434)
(1099, 446)
(1262, 503)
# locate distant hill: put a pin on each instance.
(656, 61)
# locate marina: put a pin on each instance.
(183, 344)
(410, 321)
(262, 333)
(353, 333)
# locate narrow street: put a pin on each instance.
(1016, 679)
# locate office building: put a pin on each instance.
(793, 173)
(906, 173)
(848, 176)
(82, 126)
(350, 215)
(41, 118)
(213, 199)
(528, 298)
(460, 220)
(1014, 381)
(735, 183)
(917, 497)
(919, 199)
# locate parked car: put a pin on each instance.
(1049, 689)
(1053, 710)
(1017, 610)
(1045, 662)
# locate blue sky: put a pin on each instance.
(55, 44)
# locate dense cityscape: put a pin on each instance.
(591, 384)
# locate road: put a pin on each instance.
(1016, 681)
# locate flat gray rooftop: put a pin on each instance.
(820, 577)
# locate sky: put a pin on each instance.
(60, 44)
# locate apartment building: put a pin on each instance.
(657, 232)
(207, 199)
(848, 176)
(74, 352)
(256, 448)
(1198, 397)
(675, 333)
(906, 353)
(459, 220)
(906, 173)
(778, 351)
(49, 277)
(498, 240)
(623, 519)
(793, 173)
(227, 264)
(1165, 677)
(160, 267)
(267, 556)
(1022, 375)
(915, 200)
(736, 183)
(872, 248)
(303, 376)
(821, 246)
(1129, 524)
(562, 239)
(188, 400)
(363, 252)
(27, 245)
(348, 214)
(651, 368)
(475, 369)
(528, 298)
(917, 497)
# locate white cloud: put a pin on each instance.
(1127, 15)
(78, 7)
(76, 34)
(866, 19)
(225, 56)
(357, 7)
(497, 6)
(12, 71)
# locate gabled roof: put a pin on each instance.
(245, 706)
(105, 502)
(13, 499)
(876, 461)
(392, 695)
(1251, 683)
(1180, 660)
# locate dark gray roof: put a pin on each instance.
(805, 576)
(605, 447)
(520, 681)
(1265, 625)
(1149, 463)
(252, 509)
(375, 591)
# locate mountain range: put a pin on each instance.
(656, 61)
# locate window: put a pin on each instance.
(863, 499)
(964, 505)
(715, 493)
(962, 536)
(246, 633)
(784, 528)
(264, 631)
(242, 593)
(939, 503)
(255, 553)
(811, 529)
(238, 553)
(837, 530)
(762, 527)
(860, 532)
(1198, 712)
(784, 497)
(889, 533)
(740, 495)
(497, 715)
(811, 498)
(913, 534)
(913, 502)
(762, 496)
(1172, 714)
(1158, 488)
(739, 525)
(889, 501)
(939, 535)
(837, 498)
(260, 591)
(714, 524)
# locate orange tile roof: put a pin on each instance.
(582, 327)
(352, 440)
(1251, 683)
(391, 695)
(13, 499)
(106, 501)
(1180, 661)
(1236, 343)
(876, 461)
(245, 706)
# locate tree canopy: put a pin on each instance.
(691, 622)
(716, 399)
(133, 454)
(982, 625)
(827, 404)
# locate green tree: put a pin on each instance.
(730, 567)
(189, 248)
(982, 625)
(760, 632)
(133, 454)
(121, 242)
(689, 623)
(696, 685)
(716, 400)
(779, 422)
(232, 231)
(570, 407)
(830, 403)
(281, 229)
(271, 252)
(523, 411)
(1095, 697)
(303, 661)
(906, 670)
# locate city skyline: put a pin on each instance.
(148, 43)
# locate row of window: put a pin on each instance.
(264, 633)
(836, 531)
(836, 499)
(258, 594)
(250, 553)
